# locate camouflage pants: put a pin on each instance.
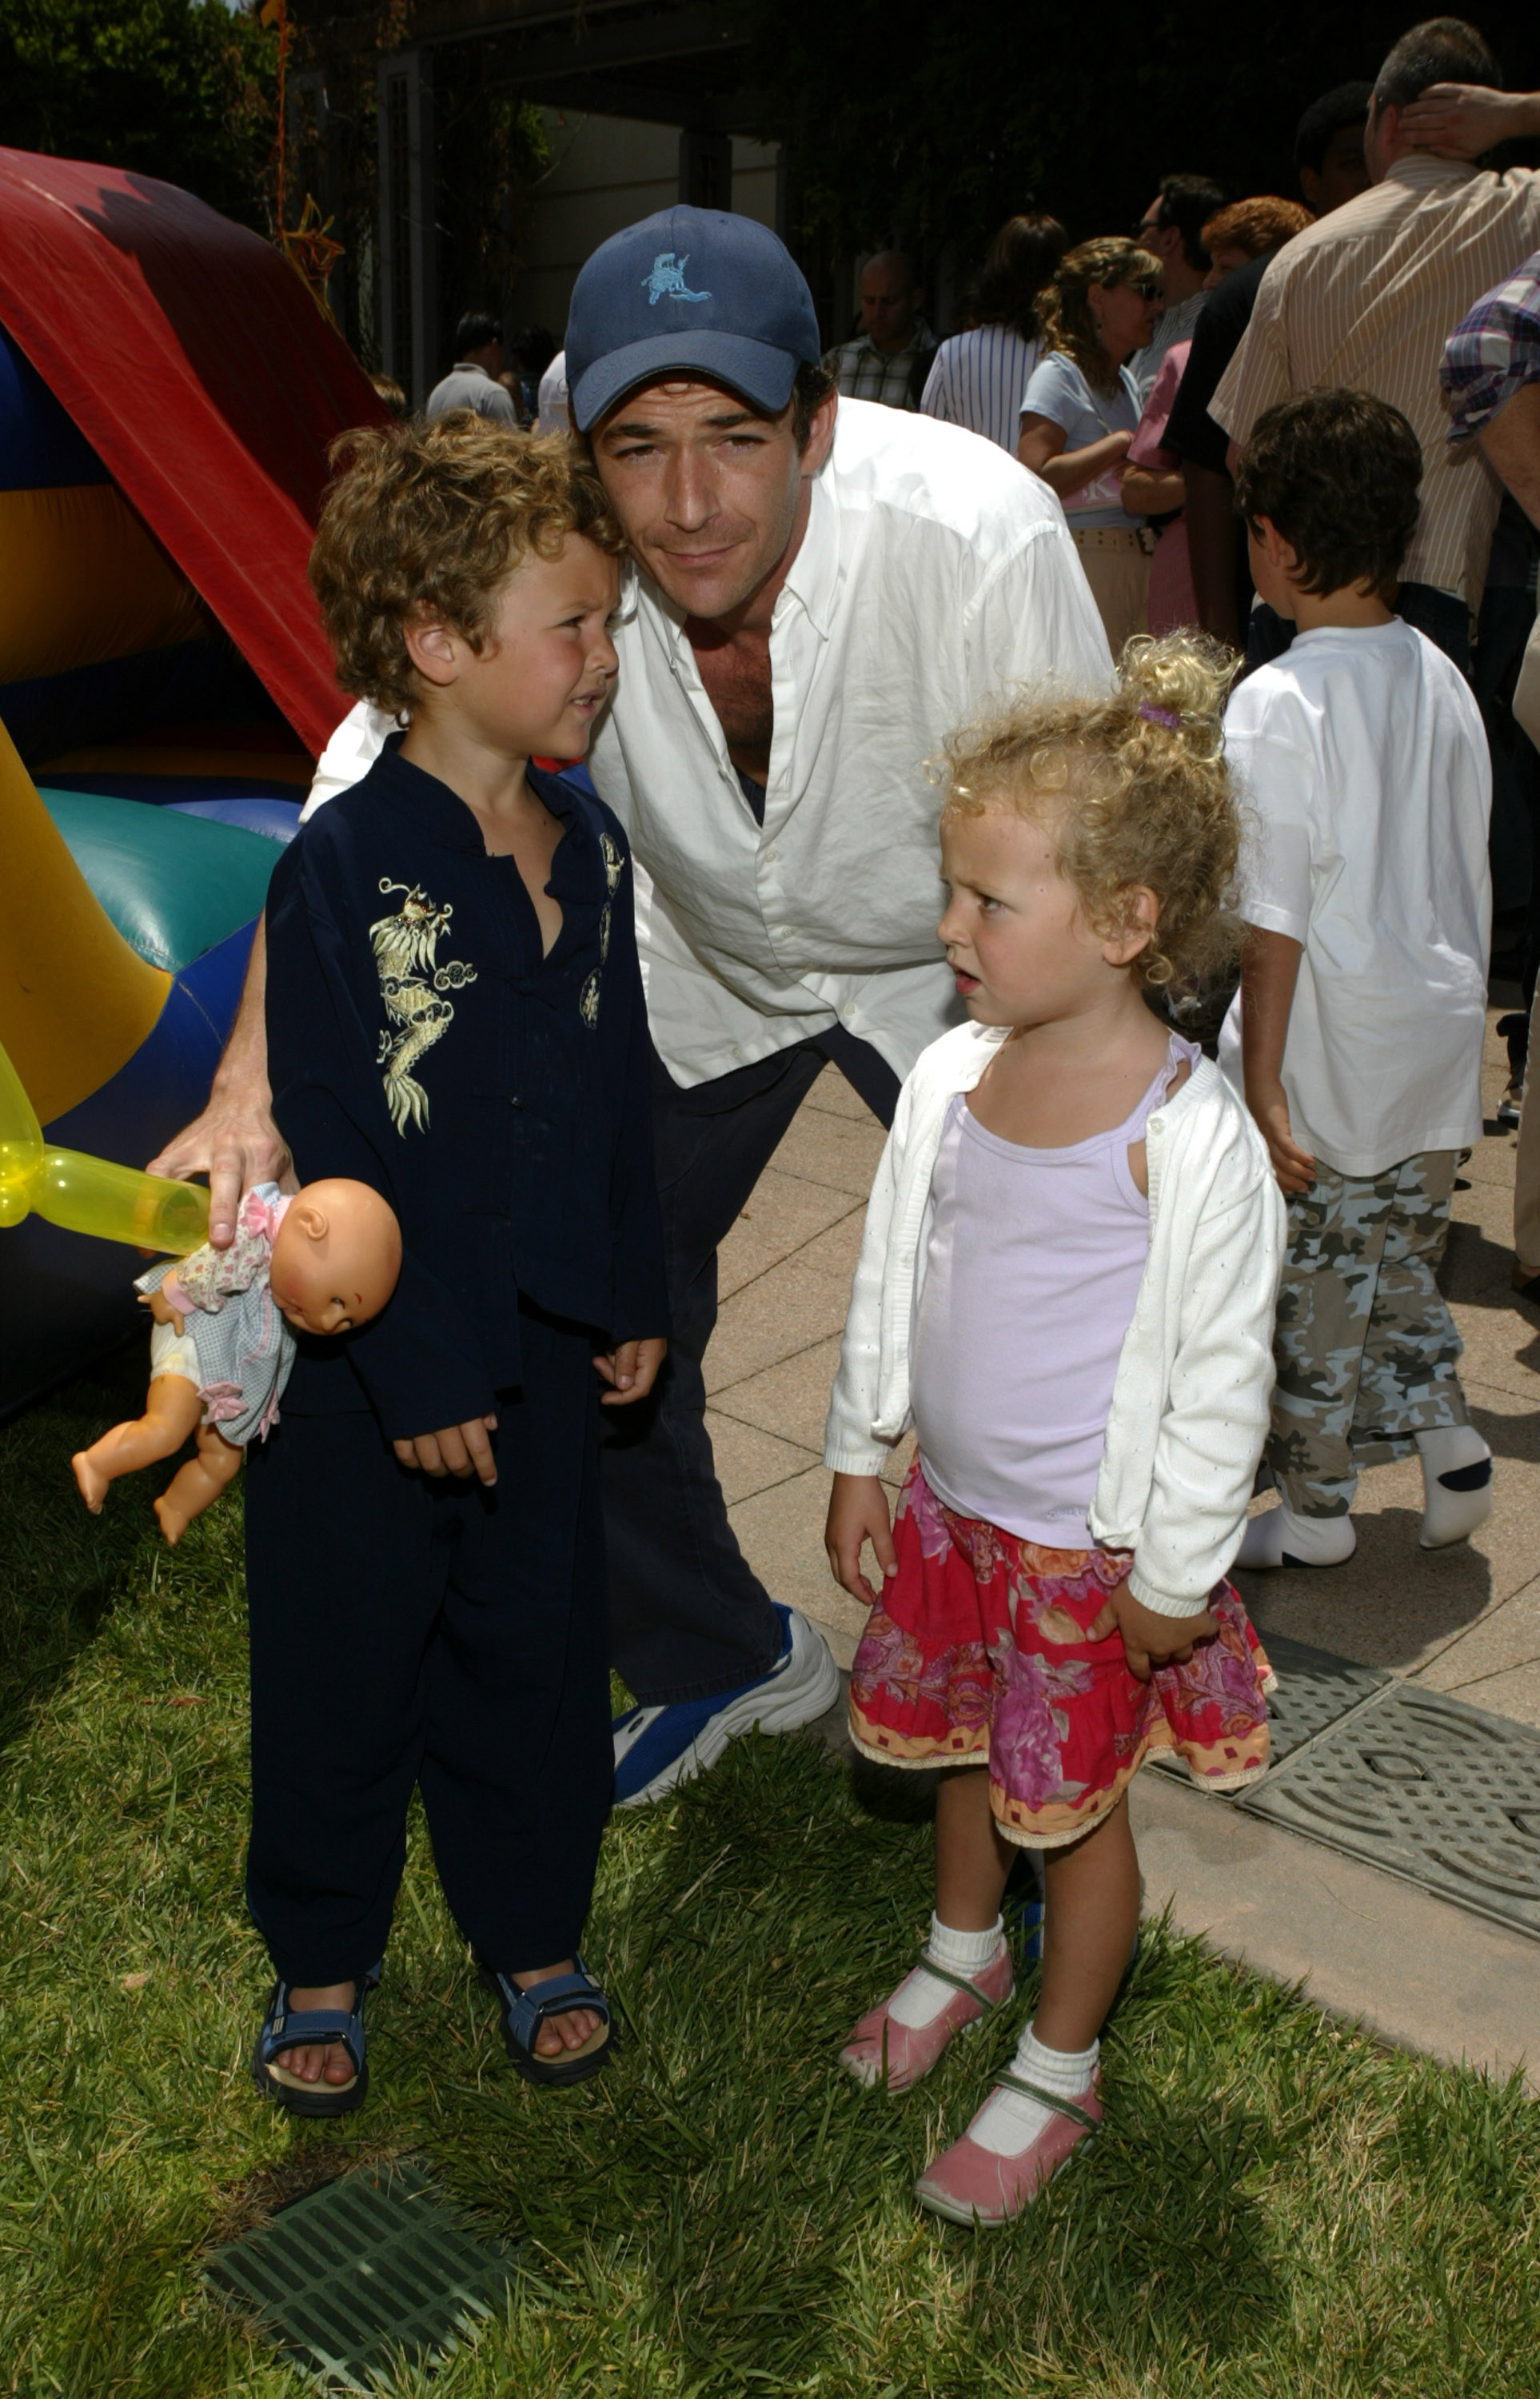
(1365, 1346)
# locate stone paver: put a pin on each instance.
(1463, 1620)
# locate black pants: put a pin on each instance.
(687, 1617)
(411, 1630)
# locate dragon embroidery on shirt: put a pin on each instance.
(614, 866)
(414, 986)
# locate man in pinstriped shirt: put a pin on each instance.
(1367, 298)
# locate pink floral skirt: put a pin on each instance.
(978, 1652)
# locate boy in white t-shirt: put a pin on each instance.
(1358, 1034)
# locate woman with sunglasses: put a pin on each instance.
(1081, 409)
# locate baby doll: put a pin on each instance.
(320, 1260)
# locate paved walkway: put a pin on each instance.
(1465, 1620)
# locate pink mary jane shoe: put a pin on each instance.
(879, 2048)
(970, 2184)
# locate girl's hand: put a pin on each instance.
(859, 1514)
(462, 1449)
(632, 1367)
(1461, 120)
(1150, 1640)
(1293, 1166)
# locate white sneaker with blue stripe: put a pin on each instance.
(655, 1748)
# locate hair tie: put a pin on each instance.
(1160, 716)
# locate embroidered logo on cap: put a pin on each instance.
(666, 280)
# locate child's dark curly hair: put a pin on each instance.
(1134, 790)
(431, 520)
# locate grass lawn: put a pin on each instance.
(1278, 2207)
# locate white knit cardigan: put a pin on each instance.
(1190, 1402)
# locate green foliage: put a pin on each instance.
(182, 89)
(1276, 2206)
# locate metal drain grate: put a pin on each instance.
(368, 2268)
(1428, 1788)
(1315, 1689)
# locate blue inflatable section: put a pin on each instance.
(40, 446)
(277, 820)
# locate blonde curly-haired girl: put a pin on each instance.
(1066, 1288)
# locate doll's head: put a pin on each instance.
(336, 1257)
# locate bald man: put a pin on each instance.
(890, 358)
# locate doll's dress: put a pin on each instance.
(235, 1346)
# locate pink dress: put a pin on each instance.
(1173, 602)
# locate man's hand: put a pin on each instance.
(1461, 120)
(631, 1367)
(463, 1450)
(1293, 1166)
(1150, 1640)
(234, 1141)
(859, 1514)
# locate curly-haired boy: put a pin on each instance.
(455, 1017)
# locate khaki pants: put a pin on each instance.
(1118, 572)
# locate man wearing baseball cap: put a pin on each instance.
(823, 588)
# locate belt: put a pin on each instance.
(1114, 537)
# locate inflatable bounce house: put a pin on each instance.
(168, 393)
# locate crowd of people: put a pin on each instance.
(1111, 1283)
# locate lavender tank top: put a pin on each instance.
(1032, 1268)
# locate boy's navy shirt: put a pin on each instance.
(419, 1041)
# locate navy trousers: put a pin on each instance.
(688, 1617)
(408, 1630)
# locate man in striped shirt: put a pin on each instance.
(1367, 298)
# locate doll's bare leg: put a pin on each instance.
(199, 1482)
(171, 1412)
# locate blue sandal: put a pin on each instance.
(525, 2012)
(285, 2027)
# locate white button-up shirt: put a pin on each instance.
(936, 575)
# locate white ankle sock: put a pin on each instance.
(1009, 2123)
(921, 1997)
(1314, 1541)
(1451, 1514)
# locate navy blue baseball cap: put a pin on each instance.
(689, 289)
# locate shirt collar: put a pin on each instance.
(470, 366)
(813, 578)
(1421, 171)
(441, 813)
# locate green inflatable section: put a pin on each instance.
(173, 884)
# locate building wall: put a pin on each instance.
(609, 171)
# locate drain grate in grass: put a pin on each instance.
(1428, 1788)
(368, 2271)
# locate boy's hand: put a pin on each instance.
(1293, 1166)
(456, 1450)
(859, 1514)
(1148, 1639)
(632, 1367)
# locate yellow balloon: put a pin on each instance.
(90, 1195)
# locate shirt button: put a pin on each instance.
(514, 1101)
(1155, 1124)
(771, 856)
(738, 1053)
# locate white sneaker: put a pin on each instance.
(657, 1747)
